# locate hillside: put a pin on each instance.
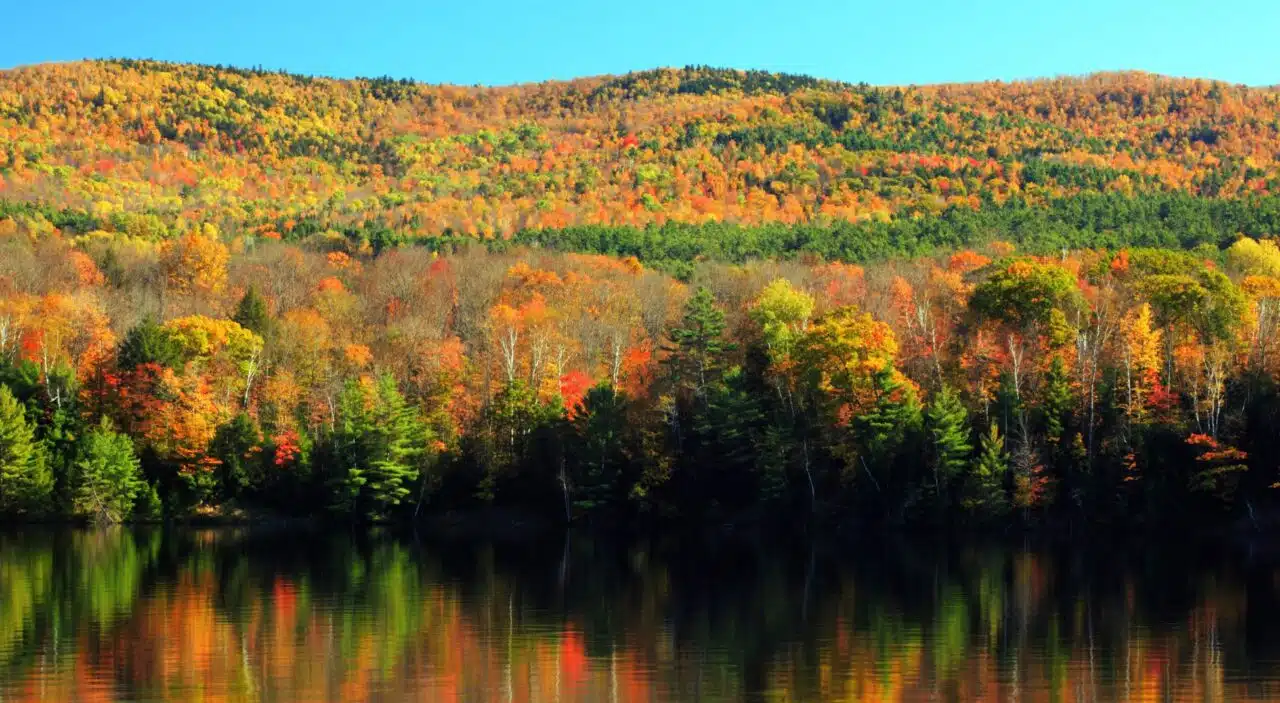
(985, 305)
(149, 149)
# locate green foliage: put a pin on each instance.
(26, 483)
(697, 344)
(106, 477)
(251, 313)
(1057, 401)
(149, 343)
(947, 422)
(783, 314)
(237, 445)
(984, 492)
(886, 435)
(599, 452)
(377, 450)
(1025, 294)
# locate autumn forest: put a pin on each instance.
(671, 298)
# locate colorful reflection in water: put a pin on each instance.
(231, 615)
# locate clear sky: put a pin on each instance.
(513, 41)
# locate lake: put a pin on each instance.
(253, 615)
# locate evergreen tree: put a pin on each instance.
(722, 461)
(149, 343)
(106, 477)
(26, 484)
(598, 451)
(251, 313)
(1056, 404)
(948, 424)
(236, 445)
(398, 444)
(984, 490)
(508, 427)
(376, 449)
(698, 345)
(884, 431)
(773, 462)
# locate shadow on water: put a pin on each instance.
(276, 615)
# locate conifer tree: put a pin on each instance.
(251, 313)
(984, 492)
(376, 448)
(236, 445)
(698, 345)
(599, 450)
(26, 482)
(106, 478)
(948, 424)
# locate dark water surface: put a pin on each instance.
(244, 615)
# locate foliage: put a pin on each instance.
(106, 478)
(25, 480)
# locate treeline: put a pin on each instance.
(1172, 221)
(987, 387)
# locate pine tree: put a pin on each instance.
(106, 478)
(26, 483)
(149, 343)
(984, 490)
(376, 448)
(236, 445)
(883, 432)
(698, 344)
(251, 313)
(1056, 404)
(398, 445)
(726, 434)
(950, 449)
(598, 450)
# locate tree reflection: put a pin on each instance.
(251, 616)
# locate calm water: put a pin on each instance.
(235, 615)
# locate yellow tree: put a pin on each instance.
(196, 263)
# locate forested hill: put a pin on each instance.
(851, 171)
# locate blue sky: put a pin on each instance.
(509, 41)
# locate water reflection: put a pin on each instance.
(118, 615)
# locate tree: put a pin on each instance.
(883, 435)
(237, 445)
(599, 452)
(377, 447)
(106, 477)
(26, 482)
(984, 494)
(251, 313)
(783, 315)
(196, 263)
(698, 346)
(149, 343)
(947, 421)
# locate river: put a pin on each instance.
(253, 615)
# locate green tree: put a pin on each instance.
(698, 345)
(984, 494)
(237, 446)
(783, 315)
(26, 483)
(149, 343)
(884, 433)
(251, 313)
(1056, 402)
(598, 452)
(949, 447)
(106, 478)
(378, 445)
